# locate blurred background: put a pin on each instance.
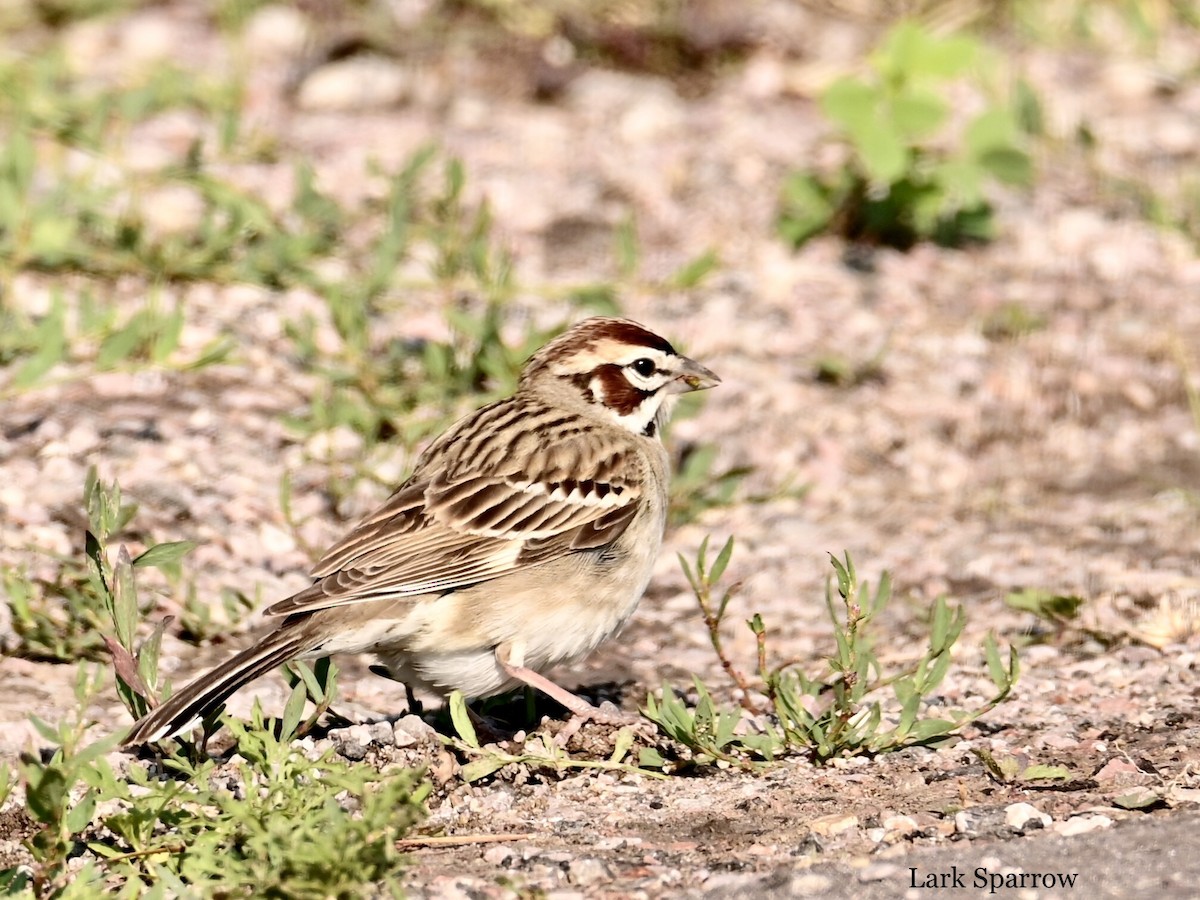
(943, 254)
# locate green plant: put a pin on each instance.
(53, 620)
(275, 823)
(903, 181)
(1058, 609)
(1061, 612)
(539, 751)
(1142, 23)
(1011, 321)
(382, 389)
(842, 371)
(697, 485)
(290, 827)
(84, 330)
(841, 711)
(853, 719)
(114, 585)
(1008, 769)
(199, 622)
(117, 615)
(710, 733)
(316, 684)
(59, 795)
(61, 620)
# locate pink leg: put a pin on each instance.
(576, 705)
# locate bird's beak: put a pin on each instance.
(693, 377)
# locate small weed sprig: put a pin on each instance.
(699, 485)
(539, 751)
(852, 723)
(61, 794)
(136, 663)
(832, 715)
(64, 619)
(702, 580)
(900, 185)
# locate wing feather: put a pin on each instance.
(478, 516)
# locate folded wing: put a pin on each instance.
(463, 524)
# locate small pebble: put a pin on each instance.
(1082, 825)
(1024, 817)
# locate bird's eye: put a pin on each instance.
(644, 367)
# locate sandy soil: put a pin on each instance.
(973, 465)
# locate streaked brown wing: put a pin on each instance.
(458, 526)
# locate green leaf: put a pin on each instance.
(81, 813)
(51, 237)
(722, 560)
(319, 679)
(45, 794)
(911, 52)
(1046, 773)
(692, 273)
(1138, 798)
(939, 625)
(621, 745)
(325, 671)
(124, 610)
(1028, 112)
(806, 208)
(851, 103)
(39, 364)
(51, 340)
(995, 667)
(650, 758)
(481, 768)
(462, 720)
(47, 731)
(84, 758)
(1045, 604)
(1008, 164)
(215, 351)
(164, 554)
(918, 114)
(147, 655)
(21, 158)
(167, 339)
(930, 728)
(688, 574)
(883, 153)
(955, 184)
(293, 712)
(122, 344)
(937, 672)
(989, 130)
(1004, 769)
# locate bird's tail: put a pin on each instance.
(186, 707)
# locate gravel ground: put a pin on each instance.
(971, 466)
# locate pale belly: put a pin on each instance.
(453, 638)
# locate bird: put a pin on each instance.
(524, 538)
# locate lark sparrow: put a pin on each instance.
(524, 537)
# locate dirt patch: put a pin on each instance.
(1064, 459)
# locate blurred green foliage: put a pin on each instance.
(907, 176)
